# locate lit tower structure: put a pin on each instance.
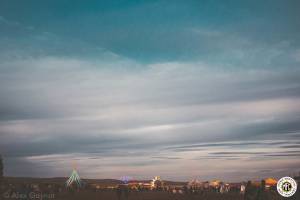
(157, 183)
(74, 179)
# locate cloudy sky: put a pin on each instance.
(181, 89)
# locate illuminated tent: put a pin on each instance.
(215, 183)
(74, 179)
(194, 183)
(125, 179)
(270, 182)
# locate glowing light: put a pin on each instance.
(74, 178)
(125, 179)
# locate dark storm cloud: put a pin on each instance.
(281, 126)
(166, 158)
(22, 167)
(284, 155)
(291, 146)
(226, 144)
(62, 145)
(236, 153)
(255, 149)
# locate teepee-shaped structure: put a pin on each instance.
(74, 179)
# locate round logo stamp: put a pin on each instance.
(286, 186)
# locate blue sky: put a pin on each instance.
(152, 31)
(144, 88)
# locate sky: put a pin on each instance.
(182, 89)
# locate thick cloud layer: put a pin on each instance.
(181, 90)
(160, 118)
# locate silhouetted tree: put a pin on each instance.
(250, 192)
(1, 170)
(262, 194)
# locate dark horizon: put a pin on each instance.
(292, 174)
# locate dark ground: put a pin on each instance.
(148, 195)
(109, 194)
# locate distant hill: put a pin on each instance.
(62, 180)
